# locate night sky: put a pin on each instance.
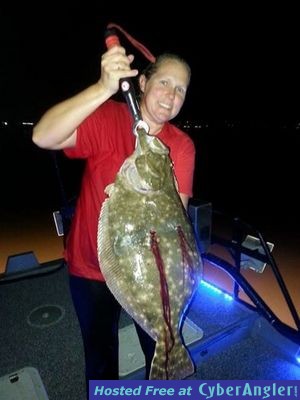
(245, 68)
(244, 63)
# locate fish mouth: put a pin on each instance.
(155, 145)
(158, 147)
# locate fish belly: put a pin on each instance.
(149, 260)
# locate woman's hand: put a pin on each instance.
(115, 64)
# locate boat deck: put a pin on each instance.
(39, 329)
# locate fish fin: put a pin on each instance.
(108, 260)
(174, 365)
(110, 267)
(108, 189)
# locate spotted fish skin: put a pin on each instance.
(147, 252)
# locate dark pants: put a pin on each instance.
(98, 314)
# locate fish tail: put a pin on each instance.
(171, 365)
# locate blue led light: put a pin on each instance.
(214, 289)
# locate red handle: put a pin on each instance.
(111, 39)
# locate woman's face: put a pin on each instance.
(164, 92)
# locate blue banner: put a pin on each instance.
(194, 390)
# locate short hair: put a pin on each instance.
(153, 67)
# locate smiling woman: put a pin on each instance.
(92, 126)
(168, 80)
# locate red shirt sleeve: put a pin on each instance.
(184, 164)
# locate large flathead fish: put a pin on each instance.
(148, 254)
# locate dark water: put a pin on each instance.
(34, 178)
(252, 173)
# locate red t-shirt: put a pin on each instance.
(105, 140)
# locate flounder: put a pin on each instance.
(148, 254)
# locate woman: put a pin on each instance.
(92, 126)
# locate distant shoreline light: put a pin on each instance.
(23, 123)
(27, 123)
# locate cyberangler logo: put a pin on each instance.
(248, 389)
